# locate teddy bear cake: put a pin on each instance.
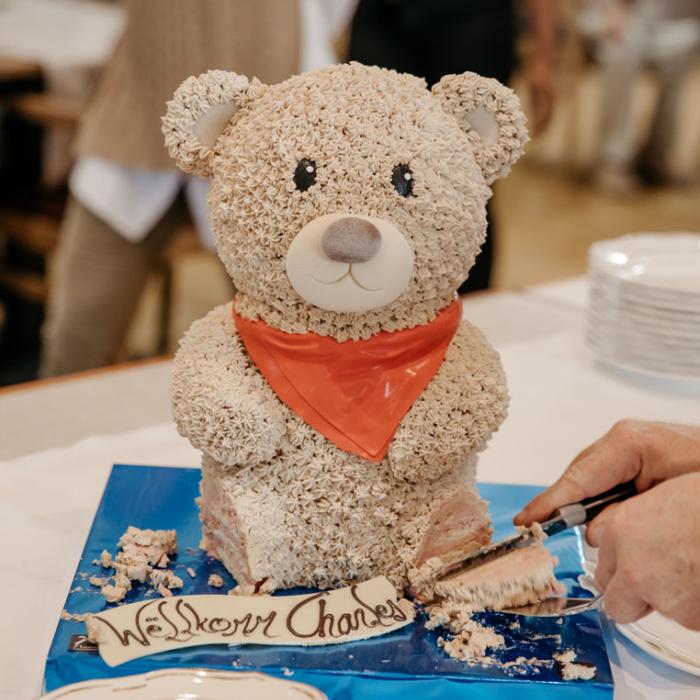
(340, 401)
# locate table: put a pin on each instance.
(560, 400)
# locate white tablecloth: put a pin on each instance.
(560, 401)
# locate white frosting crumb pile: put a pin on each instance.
(215, 581)
(471, 640)
(472, 643)
(144, 556)
(75, 617)
(565, 657)
(571, 671)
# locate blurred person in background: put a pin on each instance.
(432, 38)
(631, 35)
(127, 199)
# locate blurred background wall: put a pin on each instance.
(570, 190)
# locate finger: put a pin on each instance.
(567, 489)
(595, 532)
(686, 615)
(587, 450)
(606, 466)
(622, 602)
(524, 514)
(605, 568)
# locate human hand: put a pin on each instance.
(649, 553)
(647, 452)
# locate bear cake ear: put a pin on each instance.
(201, 108)
(490, 114)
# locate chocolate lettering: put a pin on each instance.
(177, 634)
(360, 611)
(295, 610)
(178, 609)
(125, 638)
(378, 611)
(327, 625)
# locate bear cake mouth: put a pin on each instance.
(349, 274)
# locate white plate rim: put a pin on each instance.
(122, 685)
(589, 568)
(656, 652)
(630, 244)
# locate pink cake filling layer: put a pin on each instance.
(521, 577)
(460, 525)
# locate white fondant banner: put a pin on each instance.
(348, 614)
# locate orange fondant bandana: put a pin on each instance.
(354, 393)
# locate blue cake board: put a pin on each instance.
(404, 664)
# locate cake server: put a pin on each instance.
(556, 607)
(563, 518)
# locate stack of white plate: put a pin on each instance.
(644, 308)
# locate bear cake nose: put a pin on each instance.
(351, 240)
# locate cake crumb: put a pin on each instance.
(565, 657)
(191, 572)
(287, 671)
(165, 592)
(471, 645)
(143, 556)
(471, 640)
(578, 672)
(174, 581)
(113, 594)
(571, 671)
(165, 577)
(560, 621)
(242, 590)
(215, 581)
(75, 617)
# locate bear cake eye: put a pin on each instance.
(402, 179)
(305, 174)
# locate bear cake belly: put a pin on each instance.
(278, 534)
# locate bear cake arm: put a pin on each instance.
(220, 402)
(455, 416)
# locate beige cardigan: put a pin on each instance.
(163, 43)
